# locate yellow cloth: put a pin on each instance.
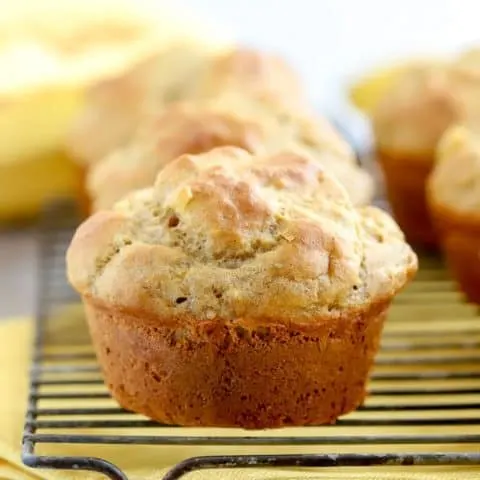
(151, 462)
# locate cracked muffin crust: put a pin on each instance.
(198, 127)
(453, 193)
(239, 290)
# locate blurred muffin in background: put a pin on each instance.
(407, 124)
(197, 127)
(185, 71)
(453, 194)
(408, 121)
(53, 52)
(180, 128)
(264, 77)
(123, 102)
(469, 62)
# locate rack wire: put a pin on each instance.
(423, 407)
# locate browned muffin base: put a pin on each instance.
(460, 240)
(405, 181)
(214, 373)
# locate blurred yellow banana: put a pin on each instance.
(366, 92)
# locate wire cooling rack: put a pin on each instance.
(423, 407)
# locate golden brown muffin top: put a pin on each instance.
(227, 235)
(196, 128)
(245, 72)
(455, 180)
(424, 102)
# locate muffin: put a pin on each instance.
(181, 72)
(239, 291)
(254, 74)
(122, 102)
(198, 127)
(408, 123)
(454, 199)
